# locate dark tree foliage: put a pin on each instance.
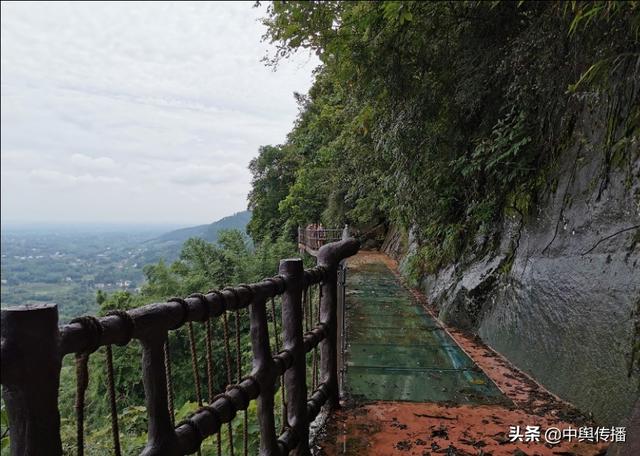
(273, 174)
(442, 116)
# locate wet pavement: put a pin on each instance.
(415, 387)
(396, 351)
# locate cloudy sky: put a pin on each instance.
(143, 112)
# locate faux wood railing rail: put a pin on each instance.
(312, 239)
(33, 347)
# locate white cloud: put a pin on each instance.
(44, 176)
(87, 162)
(153, 110)
(208, 175)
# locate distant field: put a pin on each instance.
(72, 299)
(67, 265)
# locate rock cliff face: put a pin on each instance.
(560, 295)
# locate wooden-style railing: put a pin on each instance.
(33, 346)
(312, 239)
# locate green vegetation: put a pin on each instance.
(201, 266)
(442, 116)
(208, 232)
(68, 264)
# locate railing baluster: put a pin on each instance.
(30, 378)
(315, 349)
(328, 316)
(194, 368)
(329, 257)
(340, 325)
(169, 380)
(161, 439)
(295, 377)
(229, 378)
(82, 382)
(113, 408)
(264, 371)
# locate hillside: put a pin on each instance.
(168, 245)
(499, 141)
(208, 232)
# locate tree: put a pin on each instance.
(443, 116)
(273, 174)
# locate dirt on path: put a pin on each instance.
(411, 428)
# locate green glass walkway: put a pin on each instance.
(397, 352)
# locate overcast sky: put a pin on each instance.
(143, 112)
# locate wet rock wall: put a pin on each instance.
(560, 294)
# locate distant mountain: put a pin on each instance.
(169, 245)
(209, 232)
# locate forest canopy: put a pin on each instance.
(440, 117)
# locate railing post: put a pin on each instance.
(264, 371)
(295, 377)
(31, 365)
(341, 323)
(161, 438)
(328, 316)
